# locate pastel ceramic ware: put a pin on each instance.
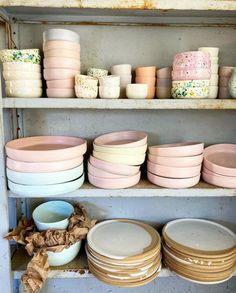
(102, 174)
(192, 59)
(62, 53)
(45, 190)
(86, 80)
(186, 149)
(117, 183)
(190, 83)
(52, 215)
(110, 81)
(86, 92)
(121, 69)
(232, 84)
(21, 75)
(137, 91)
(213, 92)
(214, 68)
(224, 93)
(146, 71)
(219, 180)
(213, 51)
(45, 178)
(55, 73)
(146, 79)
(108, 92)
(224, 81)
(34, 83)
(193, 73)
(65, 256)
(119, 169)
(45, 148)
(164, 72)
(164, 82)
(186, 92)
(21, 92)
(121, 150)
(151, 92)
(54, 45)
(226, 71)
(176, 161)
(120, 159)
(221, 159)
(60, 93)
(214, 79)
(21, 66)
(57, 34)
(26, 55)
(97, 72)
(125, 79)
(173, 172)
(56, 62)
(163, 92)
(45, 167)
(173, 182)
(122, 139)
(61, 84)
(214, 60)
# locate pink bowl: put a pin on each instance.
(173, 172)
(146, 79)
(102, 174)
(192, 59)
(63, 53)
(226, 71)
(119, 169)
(164, 72)
(114, 183)
(46, 167)
(61, 84)
(56, 62)
(185, 149)
(224, 93)
(224, 81)
(163, 92)
(176, 161)
(146, 71)
(221, 159)
(122, 139)
(164, 82)
(57, 73)
(187, 74)
(60, 93)
(173, 183)
(51, 45)
(45, 148)
(218, 180)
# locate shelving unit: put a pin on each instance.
(117, 31)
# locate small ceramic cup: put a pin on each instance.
(125, 79)
(164, 82)
(108, 92)
(164, 72)
(81, 79)
(146, 71)
(137, 91)
(213, 92)
(163, 92)
(110, 80)
(121, 69)
(97, 72)
(150, 80)
(224, 81)
(86, 92)
(224, 93)
(226, 71)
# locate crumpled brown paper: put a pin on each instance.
(49, 240)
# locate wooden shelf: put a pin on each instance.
(120, 104)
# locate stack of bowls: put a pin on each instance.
(163, 90)
(124, 71)
(124, 253)
(116, 159)
(213, 88)
(61, 62)
(53, 215)
(191, 75)
(225, 73)
(200, 251)
(175, 165)
(45, 165)
(147, 75)
(109, 87)
(219, 166)
(22, 73)
(86, 86)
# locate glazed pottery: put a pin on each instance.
(190, 83)
(23, 92)
(163, 92)
(34, 83)
(192, 59)
(109, 92)
(214, 68)
(188, 74)
(57, 62)
(146, 71)
(164, 82)
(186, 92)
(224, 81)
(151, 81)
(85, 80)
(219, 180)
(176, 161)
(61, 84)
(164, 72)
(62, 53)
(54, 45)
(86, 92)
(120, 159)
(121, 150)
(97, 72)
(121, 69)
(232, 84)
(110, 81)
(60, 93)
(226, 71)
(56, 34)
(103, 174)
(55, 74)
(21, 75)
(224, 93)
(214, 79)
(26, 55)
(213, 51)
(21, 66)
(137, 91)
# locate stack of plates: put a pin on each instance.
(124, 253)
(175, 165)
(199, 250)
(219, 166)
(45, 165)
(116, 159)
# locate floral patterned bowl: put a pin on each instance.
(14, 55)
(186, 92)
(190, 83)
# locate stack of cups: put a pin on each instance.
(109, 87)
(86, 86)
(147, 75)
(124, 71)
(163, 90)
(61, 62)
(225, 73)
(22, 73)
(191, 75)
(213, 88)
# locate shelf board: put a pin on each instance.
(146, 189)
(120, 104)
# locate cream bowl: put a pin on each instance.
(213, 51)
(214, 68)
(125, 79)
(86, 92)
(110, 80)
(58, 34)
(21, 75)
(60, 93)
(137, 91)
(23, 92)
(214, 60)
(121, 69)
(37, 83)
(213, 92)
(21, 66)
(214, 79)
(107, 92)
(121, 151)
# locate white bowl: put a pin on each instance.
(214, 79)
(56, 34)
(37, 83)
(213, 92)
(52, 215)
(21, 66)
(137, 91)
(121, 69)
(213, 51)
(21, 75)
(86, 92)
(108, 92)
(214, 68)
(110, 80)
(23, 92)
(125, 79)
(121, 151)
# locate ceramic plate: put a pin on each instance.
(219, 180)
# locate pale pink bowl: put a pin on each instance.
(224, 93)
(51, 45)
(122, 139)
(121, 69)
(56, 62)
(187, 74)
(176, 161)
(57, 73)
(146, 71)
(173, 183)
(119, 169)
(165, 82)
(146, 79)
(114, 183)
(222, 181)
(192, 59)
(226, 71)
(224, 81)
(164, 72)
(221, 159)
(61, 84)
(60, 93)
(46, 167)
(163, 92)
(185, 149)
(45, 148)
(102, 174)
(63, 53)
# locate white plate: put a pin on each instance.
(45, 190)
(202, 235)
(45, 178)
